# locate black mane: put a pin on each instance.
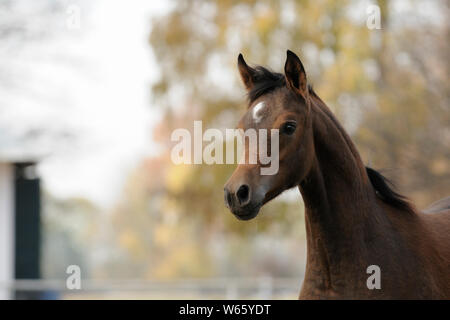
(266, 81)
(386, 193)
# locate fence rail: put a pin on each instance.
(214, 288)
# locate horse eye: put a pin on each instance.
(289, 128)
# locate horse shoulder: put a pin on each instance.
(437, 222)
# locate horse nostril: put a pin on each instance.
(228, 198)
(243, 194)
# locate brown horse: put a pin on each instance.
(353, 217)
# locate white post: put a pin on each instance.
(6, 229)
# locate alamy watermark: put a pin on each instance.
(373, 17)
(73, 20)
(73, 281)
(189, 150)
(374, 281)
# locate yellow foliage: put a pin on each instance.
(162, 235)
(440, 166)
(183, 260)
(129, 240)
(178, 177)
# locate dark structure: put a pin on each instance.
(27, 226)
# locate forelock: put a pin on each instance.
(265, 81)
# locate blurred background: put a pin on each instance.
(90, 92)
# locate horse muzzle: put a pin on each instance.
(240, 202)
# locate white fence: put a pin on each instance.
(214, 288)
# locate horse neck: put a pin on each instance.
(339, 200)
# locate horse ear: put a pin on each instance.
(247, 73)
(295, 74)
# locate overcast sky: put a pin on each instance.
(106, 100)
